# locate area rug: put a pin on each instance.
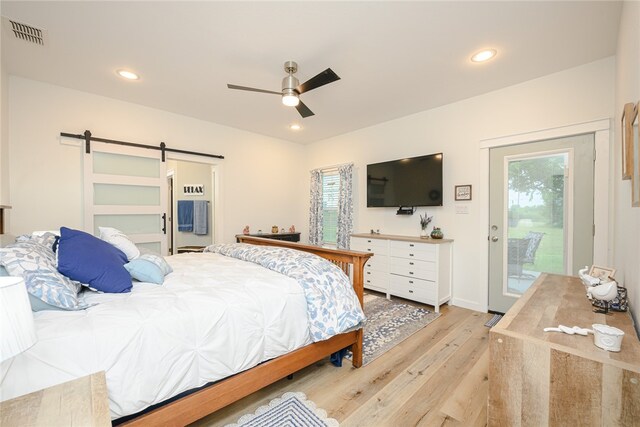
(389, 322)
(290, 410)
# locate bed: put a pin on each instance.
(221, 325)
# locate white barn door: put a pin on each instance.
(125, 188)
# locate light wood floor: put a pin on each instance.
(436, 377)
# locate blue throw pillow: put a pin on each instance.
(145, 271)
(157, 259)
(89, 260)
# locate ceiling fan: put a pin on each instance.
(292, 89)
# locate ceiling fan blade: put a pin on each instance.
(325, 77)
(252, 89)
(304, 110)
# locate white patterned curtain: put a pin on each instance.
(315, 212)
(345, 206)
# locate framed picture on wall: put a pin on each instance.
(463, 192)
(626, 130)
(635, 165)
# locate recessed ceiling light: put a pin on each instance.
(129, 75)
(484, 55)
(295, 126)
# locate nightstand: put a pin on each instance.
(81, 402)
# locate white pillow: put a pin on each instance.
(118, 239)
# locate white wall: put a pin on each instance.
(4, 135)
(260, 176)
(627, 219)
(573, 96)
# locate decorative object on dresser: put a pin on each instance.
(82, 402)
(436, 233)
(245, 230)
(538, 378)
(408, 267)
(274, 229)
(288, 237)
(292, 229)
(424, 224)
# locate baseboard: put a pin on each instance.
(471, 305)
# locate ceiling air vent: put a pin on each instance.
(27, 32)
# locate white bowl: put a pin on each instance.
(607, 337)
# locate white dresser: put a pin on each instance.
(408, 267)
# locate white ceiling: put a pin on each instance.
(394, 58)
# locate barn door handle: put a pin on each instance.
(164, 223)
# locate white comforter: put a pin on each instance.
(207, 321)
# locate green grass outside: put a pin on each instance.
(550, 255)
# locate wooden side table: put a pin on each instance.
(81, 402)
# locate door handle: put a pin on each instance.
(164, 223)
(494, 238)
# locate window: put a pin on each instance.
(330, 195)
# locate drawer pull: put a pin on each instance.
(411, 245)
(368, 272)
(369, 249)
(410, 291)
(411, 281)
(410, 254)
(368, 281)
(410, 263)
(368, 241)
(411, 272)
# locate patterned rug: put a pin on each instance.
(290, 410)
(389, 323)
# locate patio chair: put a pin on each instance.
(522, 251)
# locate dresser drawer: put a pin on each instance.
(414, 268)
(376, 280)
(375, 246)
(413, 289)
(411, 250)
(378, 262)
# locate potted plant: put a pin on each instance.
(424, 224)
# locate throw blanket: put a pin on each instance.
(332, 304)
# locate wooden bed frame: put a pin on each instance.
(225, 392)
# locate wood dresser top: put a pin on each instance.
(561, 300)
(403, 238)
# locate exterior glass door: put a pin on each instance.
(536, 198)
(541, 214)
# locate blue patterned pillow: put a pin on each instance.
(36, 264)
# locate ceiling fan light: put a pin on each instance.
(290, 98)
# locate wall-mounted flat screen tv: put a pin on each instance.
(416, 181)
